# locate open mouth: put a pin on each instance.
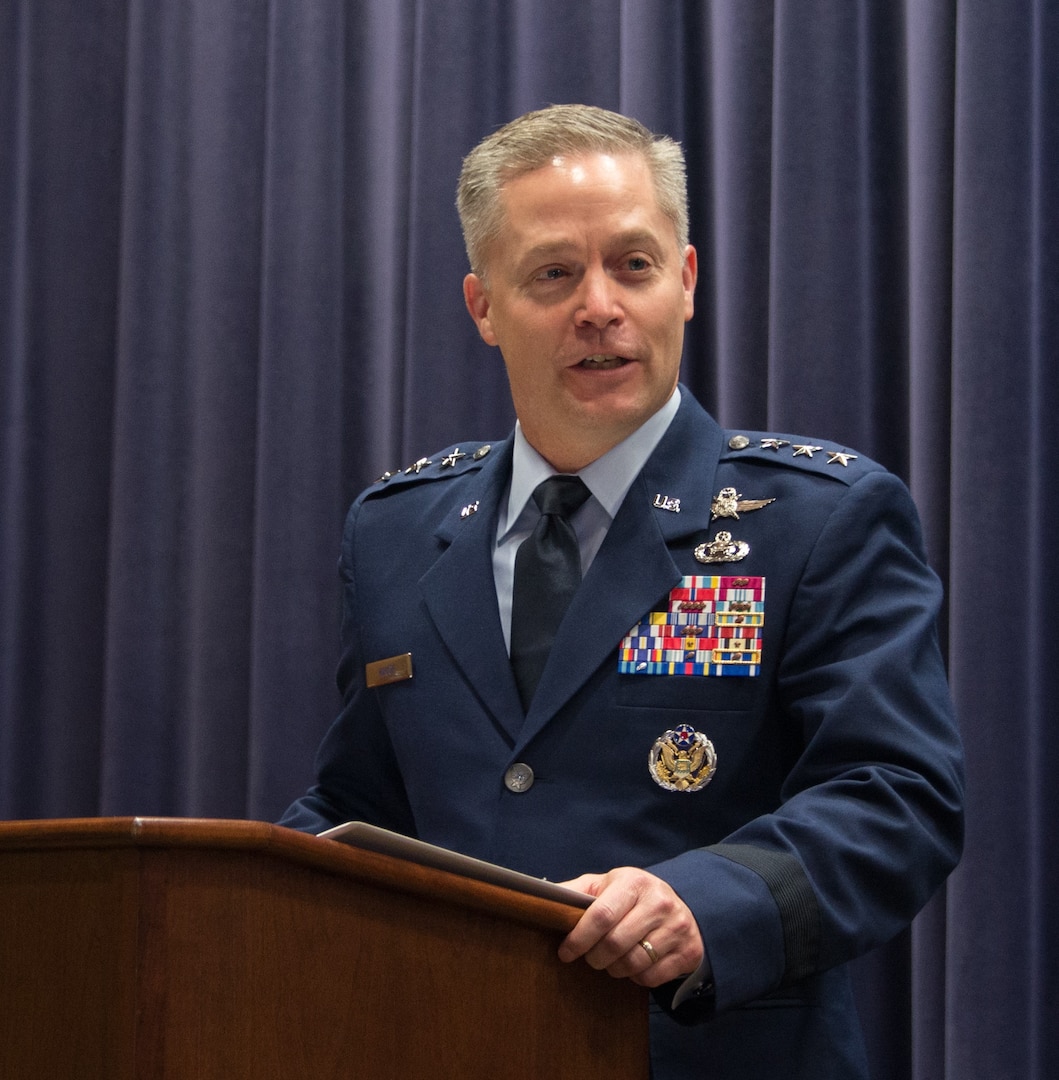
(603, 362)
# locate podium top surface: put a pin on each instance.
(275, 842)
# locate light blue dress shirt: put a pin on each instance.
(608, 479)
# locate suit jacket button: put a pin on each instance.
(518, 778)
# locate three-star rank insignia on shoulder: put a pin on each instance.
(682, 759)
(451, 462)
(787, 449)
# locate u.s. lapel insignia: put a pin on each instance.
(728, 503)
(722, 549)
(666, 502)
(682, 759)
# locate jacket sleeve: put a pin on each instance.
(357, 774)
(870, 817)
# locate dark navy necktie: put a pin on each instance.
(547, 573)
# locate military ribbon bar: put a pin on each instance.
(709, 626)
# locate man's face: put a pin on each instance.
(586, 293)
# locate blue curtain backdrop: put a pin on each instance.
(230, 297)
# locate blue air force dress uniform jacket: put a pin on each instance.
(761, 616)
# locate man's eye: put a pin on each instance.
(638, 262)
(553, 273)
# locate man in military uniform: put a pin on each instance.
(738, 736)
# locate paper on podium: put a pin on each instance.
(372, 838)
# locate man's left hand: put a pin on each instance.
(637, 928)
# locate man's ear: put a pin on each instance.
(690, 274)
(477, 301)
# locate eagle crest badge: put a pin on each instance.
(682, 759)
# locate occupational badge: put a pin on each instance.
(722, 549)
(682, 759)
(728, 503)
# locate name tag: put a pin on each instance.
(709, 626)
(394, 669)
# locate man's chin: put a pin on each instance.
(617, 408)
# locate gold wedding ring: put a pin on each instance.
(650, 950)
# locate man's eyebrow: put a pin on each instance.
(551, 249)
(547, 250)
(638, 238)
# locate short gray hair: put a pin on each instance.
(531, 141)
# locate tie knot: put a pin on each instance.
(561, 495)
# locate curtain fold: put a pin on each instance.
(230, 297)
(1003, 643)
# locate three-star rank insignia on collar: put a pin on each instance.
(682, 759)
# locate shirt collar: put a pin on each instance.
(608, 478)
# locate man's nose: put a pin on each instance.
(598, 301)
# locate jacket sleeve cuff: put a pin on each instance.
(760, 925)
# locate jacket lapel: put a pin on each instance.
(632, 572)
(634, 568)
(460, 594)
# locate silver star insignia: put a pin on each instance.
(728, 503)
(418, 466)
(835, 458)
(774, 444)
(449, 460)
(806, 451)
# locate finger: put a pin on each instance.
(590, 934)
(619, 951)
(635, 962)
(591, 884)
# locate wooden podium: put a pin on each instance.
(134, 948)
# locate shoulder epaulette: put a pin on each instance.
(797, 452)
(452, 461)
